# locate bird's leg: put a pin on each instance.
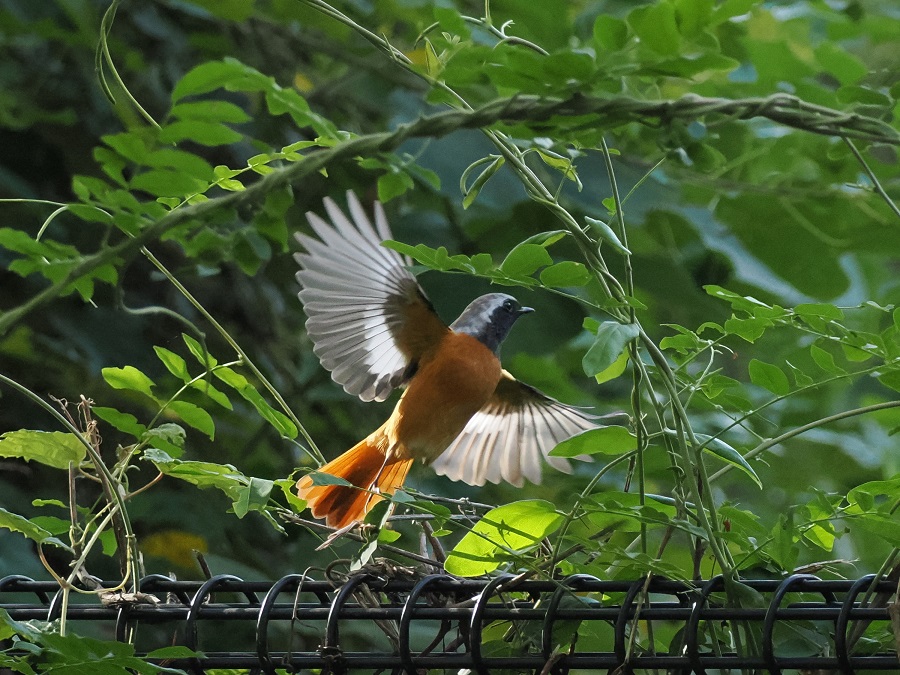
(373, 486)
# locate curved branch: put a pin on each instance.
(611, 112)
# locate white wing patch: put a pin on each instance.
(353, 293)
(507, 442)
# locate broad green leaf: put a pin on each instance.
(749, 329)
(198, 131)
(124, 422)
(737, 301)
(820, 309)
(862, 498)
(131, 146)
(500, 535)
(386, 536)
(288, 490)
(393, 184)
(173, 363)
(129, 378)
(769, 376)
(210, 111)
(195, 416)
(227, 74)
(224, 477)
(611, 340)
(253, 497)
(656, 27)
(320, 478)
(185, 163)
(277, 419)
(617, 368)
(53, 448)
(21, 524)
(610, 33)
(168, 437)
(564, 274)
(611, 440)
(199, 351)
(525, 259)
(692, 16)
(562, 164)
(825, 360)
(879, 525)
(213, 393)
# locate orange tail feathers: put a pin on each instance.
(364, 466)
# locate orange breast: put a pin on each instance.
(453, 382)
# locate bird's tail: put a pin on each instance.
(365, 467)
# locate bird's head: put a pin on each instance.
(489, 318)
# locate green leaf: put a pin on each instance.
(213, 393)
(565, 274)
(199, 351)
(749, 329)
(721, 449)
(525, 259)
(21, 524)
(195, 416)
(239, 383)
(169, 437)
(53, 448)
(210, 111)
(562, 164)
(173, 363)
(612, 440)
(693, 16)
(223, 477)
(229, 74)
(656, 27)
(612, 338)
(500, 535)
(470, 193)
(393, 184)
(617, 368)
(253, 497)
(320, 478)
(386, 536)
(825, 360)
(129, 378)
(197, 131)
(606, 234)
(769, 377)
(124, 422)
(610, 33)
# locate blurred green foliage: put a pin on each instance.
(758, 256)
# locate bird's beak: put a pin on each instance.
(525, 310)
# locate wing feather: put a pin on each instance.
(511, 436)
(367, 317)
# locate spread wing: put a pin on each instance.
(368, 318)
(511, 434)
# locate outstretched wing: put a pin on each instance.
(368, 318)
(511, 435)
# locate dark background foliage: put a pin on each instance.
(782, 215)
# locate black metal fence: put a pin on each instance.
(798, 624)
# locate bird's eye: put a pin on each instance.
(508, 305)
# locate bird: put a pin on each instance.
(373, 327)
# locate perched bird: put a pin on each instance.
(373, 327)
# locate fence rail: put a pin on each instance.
(800, 623)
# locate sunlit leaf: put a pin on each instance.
(501, 534)
(53, 448)
(612, 440)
